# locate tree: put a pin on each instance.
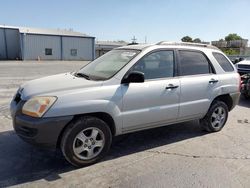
(230, 51)
(232, 36)
(187, 39)
(197, 40)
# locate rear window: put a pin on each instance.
(224, 63)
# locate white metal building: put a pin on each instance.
(102, 47)
(45, 44)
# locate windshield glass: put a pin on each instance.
(107, 65)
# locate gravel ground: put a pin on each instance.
(178, 155)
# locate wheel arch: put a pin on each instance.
(227, 99)
(101, 115)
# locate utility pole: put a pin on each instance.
(133, 40)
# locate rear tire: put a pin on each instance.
(216, 117)
(86, 141)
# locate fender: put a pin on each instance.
(101, 99)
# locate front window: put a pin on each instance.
(156, 65)
(108, 65)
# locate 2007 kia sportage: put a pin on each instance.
(128, 89)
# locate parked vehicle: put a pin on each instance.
(243, 66)
(128, 89)
(245, 85)
(237, 60)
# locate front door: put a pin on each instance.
(156, 101)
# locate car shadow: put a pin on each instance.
(244, 102)
(21, 163)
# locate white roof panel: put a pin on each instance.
(58, 32)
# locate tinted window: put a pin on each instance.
(224, 63)
(73, 52)
(48, 51)
(192, 63)
(156, 65)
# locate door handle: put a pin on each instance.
(212, 81)
(171, 86)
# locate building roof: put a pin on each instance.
(136, 46)
(111, 43)
(108, 45)
(57, 32)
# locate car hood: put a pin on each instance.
(54, 84)
(244, 62)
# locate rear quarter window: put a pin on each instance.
(223, 61)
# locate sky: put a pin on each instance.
(153, 20)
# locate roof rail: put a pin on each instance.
(188, 44)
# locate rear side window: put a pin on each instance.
(224, 63)
(193, 63)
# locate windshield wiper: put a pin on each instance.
(79, 74)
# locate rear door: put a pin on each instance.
(198, 83)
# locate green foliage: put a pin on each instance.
(232, 36)
(197, 40)
(230, 51)
(187, 39)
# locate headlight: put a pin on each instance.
(37, 106)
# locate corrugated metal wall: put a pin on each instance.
(2, 45)
(31, 46)
(34, 47)
(84, 47)
(9, 44)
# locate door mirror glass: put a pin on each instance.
(134, 77)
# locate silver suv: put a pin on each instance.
(128, 89)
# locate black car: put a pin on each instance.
(245, 85)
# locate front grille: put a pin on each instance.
(244, 66)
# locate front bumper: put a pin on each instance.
(43, 132)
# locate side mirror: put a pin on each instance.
(134, 77)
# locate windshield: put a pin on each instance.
(107, 65)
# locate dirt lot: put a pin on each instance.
(179, 155)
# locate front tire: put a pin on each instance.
(86, 141)
(216, 117)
